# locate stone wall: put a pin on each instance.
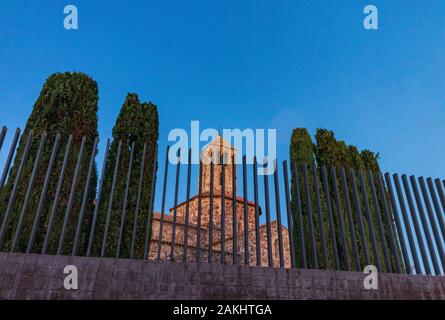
(179, 246)
(32, 276)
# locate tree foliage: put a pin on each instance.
(67, 104)
(330, 152)
(301, 153)
(136, 124)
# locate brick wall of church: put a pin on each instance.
(180, 211)
(204, 234)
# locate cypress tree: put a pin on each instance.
(370, 160)
(326, 147)
(301, 147)
(355, 158)
(67, 104)
(357, 164)
(330, 152)
(301, 152)
(343, 156)
(136, 124)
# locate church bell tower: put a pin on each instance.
(212, 153)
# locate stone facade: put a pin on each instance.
(211, 218)
(34, 276)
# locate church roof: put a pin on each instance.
(218, 195)
(219, 142)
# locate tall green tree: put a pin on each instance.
(137, 124)
(331, 152)
(370, 161)
(67, 104)
(301, 153)
(355, 158)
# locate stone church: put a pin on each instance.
(211, 151)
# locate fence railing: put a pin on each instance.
(301, 216)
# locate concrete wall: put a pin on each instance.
(31, 276)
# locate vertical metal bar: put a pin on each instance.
(278, 210)
(344, 183)
(110, 201)
(370, 222)
(442, 200)
(324, 247)
(266, 199)
(198, 232)
(409, 232)
(49, 171)
(359, 216)
(424, 223)
(400, 229)
(257, 212)
(9, 159)
(290, 221)
(124, 206)
(71, 197)
(310, 219)
(234, 229)
(97, 204)
(299, 216)
(28, 192)
(2, 136)
(330, 216)
(379, 222)
(164, 189)
(138, 204)
(150, 205)
(416, 225)
(246, 216)
(433, 224)
(84, 199)
(172, 246)
(340, 219)
(389, 222)
(223, 210)
(210, 208)
(18, 176)
(187, 207)
(436, 206)
(57, 196)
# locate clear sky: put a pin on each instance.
(246, 64)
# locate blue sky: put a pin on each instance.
(246, 64)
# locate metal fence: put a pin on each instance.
(315, 217)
